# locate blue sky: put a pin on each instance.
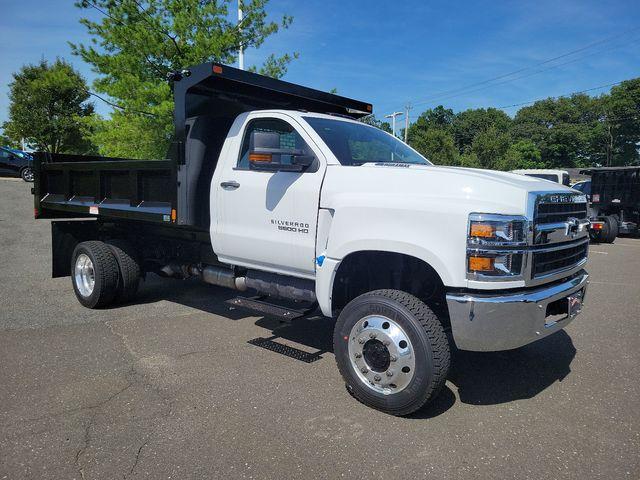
(389, 52)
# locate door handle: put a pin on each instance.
(232, 185)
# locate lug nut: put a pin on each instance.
(389, 373)
(361, 340)
(386, 343)
(377, 378)
(372, 335)
(393, 358)
(364, 370)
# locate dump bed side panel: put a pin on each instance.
(85, 186)
(616, 186)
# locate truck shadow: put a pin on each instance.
(479, 378)
(500, 377)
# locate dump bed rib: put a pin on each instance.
(85, 186)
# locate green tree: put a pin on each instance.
(620, 126)
(48, 105)
(436, 145)
(563, 129)
(469, 160)
(137, 42)
(490, 147)
(435, 118)
(7, 142)
(373, 121)
(521, 155)
(468, 124)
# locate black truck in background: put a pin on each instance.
(614, 195)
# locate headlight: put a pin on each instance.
(484, 263)
(491, 242)
(497, 230)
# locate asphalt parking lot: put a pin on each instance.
(170, 387)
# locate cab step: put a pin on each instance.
(284, 312)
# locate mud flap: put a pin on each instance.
(65, 235)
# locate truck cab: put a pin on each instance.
(278, 189)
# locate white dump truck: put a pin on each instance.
(277, 189)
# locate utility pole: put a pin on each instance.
(240, 52)
(406, 121)
(393, 116)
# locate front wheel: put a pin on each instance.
(392, 351)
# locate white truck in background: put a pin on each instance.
(276, 188)
(557, 176)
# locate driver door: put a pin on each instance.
(268, 220)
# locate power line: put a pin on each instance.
(449, 93)
(530, 74)
(564, 95)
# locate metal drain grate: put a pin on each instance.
(285, 350)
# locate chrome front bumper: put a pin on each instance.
(491, 322)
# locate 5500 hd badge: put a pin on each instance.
(291, 226)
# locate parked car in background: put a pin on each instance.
(584, 187)
(614, 196)
(16, 163)
(558, 176)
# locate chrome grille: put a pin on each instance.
(556, 260)
(560, 225)
(560, 212)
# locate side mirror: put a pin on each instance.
(266, 155)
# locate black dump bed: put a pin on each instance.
(618, 186)
(208, 98)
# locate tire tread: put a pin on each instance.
(438, 341)
(106, 267)
(129, 269)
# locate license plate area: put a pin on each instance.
(564, 308)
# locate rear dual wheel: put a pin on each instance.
(609, 230)
(392, 351)
(104, 273)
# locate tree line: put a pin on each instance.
(133, 47)
(574, 131)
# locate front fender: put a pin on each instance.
(435, 238)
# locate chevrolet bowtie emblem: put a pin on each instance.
(571, 227)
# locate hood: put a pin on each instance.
(479, 190)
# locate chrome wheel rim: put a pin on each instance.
(28, 175)
(381, 354)
(84, 275)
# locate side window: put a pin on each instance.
(288, 139)
(4, 153)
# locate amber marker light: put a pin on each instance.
(482, 230)
(480, 264)
(217, 69)
(259, 157)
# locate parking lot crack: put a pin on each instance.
(136, 458)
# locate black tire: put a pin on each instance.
(428, 340)
(610, 230)
(105, 269)
(27, 174)
(129, 269)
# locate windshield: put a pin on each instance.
(355, 144)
